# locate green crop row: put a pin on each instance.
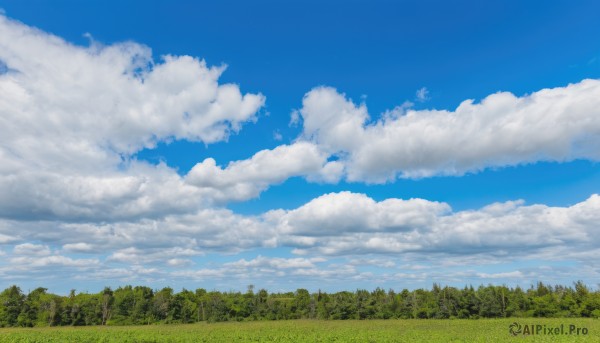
(488, 330)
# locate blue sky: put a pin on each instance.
(337, 149)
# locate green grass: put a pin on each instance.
(488, 330)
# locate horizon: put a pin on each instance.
(256, 289)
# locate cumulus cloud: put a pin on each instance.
(558, 124)
(73, 117)
(245, 179)
(349, 224)
(339, 225)
(346, 212)
(411, 239)
(149, 240)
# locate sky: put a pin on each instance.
(328, 145)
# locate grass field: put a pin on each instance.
(488, 330)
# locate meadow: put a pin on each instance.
(412, 330)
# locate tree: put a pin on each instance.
(106, 304)
(141, 305)
(161, 304)
(11, 303)
(123, 306)
(344, 306)
(142, 302)
(300, 306)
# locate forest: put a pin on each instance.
(138, 305)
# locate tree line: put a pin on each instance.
(137, 305)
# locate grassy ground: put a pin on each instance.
(317, 331)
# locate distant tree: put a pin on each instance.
(141, 305)
(300, 306)
(11, 303)
(161, 304)
(123, 306)
(106, 304)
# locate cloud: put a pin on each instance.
(137, 256)
(115, 96)
(32, 260)
(276, 262)
(422, 94)
(31, 249)
(245, 179)
(381, 263)
(363, 240)
(149, 240)
(297, 271)
(5, 239)
(179, 262)
(507, 275)
(25, 263)
(78, 247)
(558, 124)
(349, 224)
(73, 117)
(344, 225)
(340, 213)
(141, 190)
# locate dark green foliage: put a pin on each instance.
(12, 302)
(141, 305)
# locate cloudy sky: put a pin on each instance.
(325, 145)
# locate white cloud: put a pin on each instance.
(350, 224)
(338, 224)
(179, 262)
(150, 240)
(29, 249)
(276, 262)
(385, 263)
(5, 239)
(78, 247)
(72, 117)
(506, 275)
(295, 270)
(558, 124)
(411, 234)
(33, 260)
(201, 274)
(245, 179)
(114, 96)
(137, 256)
(340, 213)
(25, 263)
(422, 94)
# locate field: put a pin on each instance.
(316, 331)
